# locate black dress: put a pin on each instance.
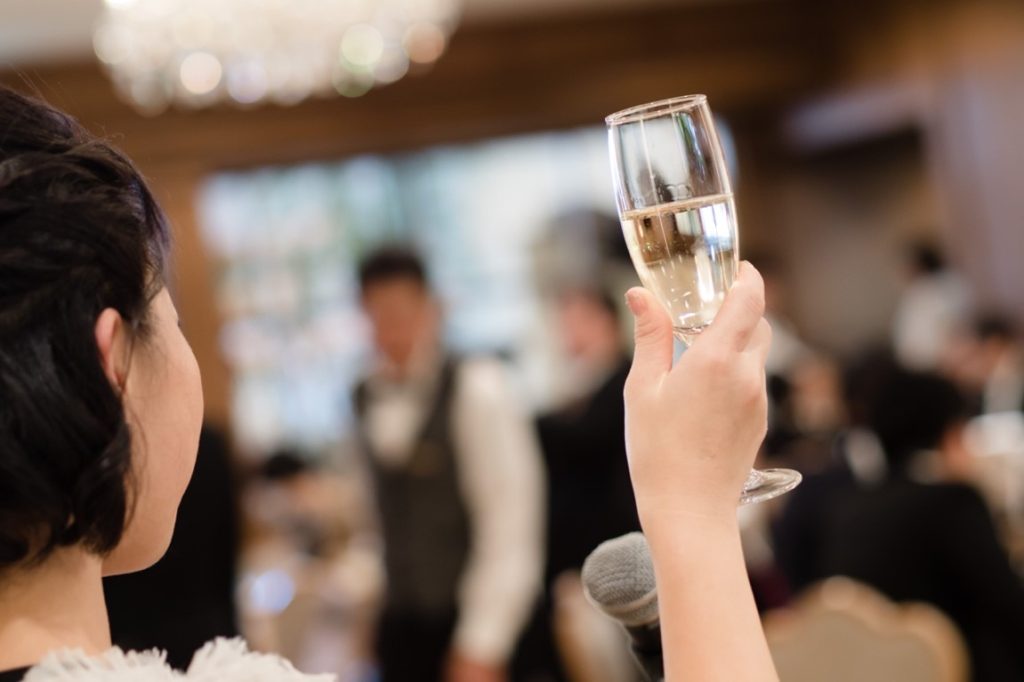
(15, 675)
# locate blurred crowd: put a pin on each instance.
(910, 452)
(448, 547)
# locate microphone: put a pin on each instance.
(618, 578)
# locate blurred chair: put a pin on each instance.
(844, 631)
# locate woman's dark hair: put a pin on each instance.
(389, 263)
(79, 233)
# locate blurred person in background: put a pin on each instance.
(792, 369)
(934, 306)
(990, 365)
(589, 493)
(921, 534)
(807, 432)
(302, 501)
(590, 499)
(310, 577)
(802, 421)
(832, 469)
(188, 597)
(459, 488)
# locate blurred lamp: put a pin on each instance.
(196, 53)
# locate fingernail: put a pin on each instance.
(636, 302)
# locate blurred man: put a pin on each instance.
(458, 485)
(932, 307)
(990, 364)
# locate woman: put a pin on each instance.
(100, 398)
(101, 404)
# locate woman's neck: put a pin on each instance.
(55, 605)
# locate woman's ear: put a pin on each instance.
(112, 341)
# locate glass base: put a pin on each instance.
(765, 484)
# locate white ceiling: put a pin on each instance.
(43, 30)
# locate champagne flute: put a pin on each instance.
(676, 208)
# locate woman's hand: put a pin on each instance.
(693, 430)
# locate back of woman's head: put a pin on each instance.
(79, 233)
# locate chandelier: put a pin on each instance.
(195, 53)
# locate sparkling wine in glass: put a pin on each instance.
(676, 208)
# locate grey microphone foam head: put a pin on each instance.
(618, 578)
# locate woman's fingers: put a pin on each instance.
(738, 318)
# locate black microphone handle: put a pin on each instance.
(645, 643)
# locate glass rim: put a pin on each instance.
(661, 107)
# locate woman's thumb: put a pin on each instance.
(653, 332)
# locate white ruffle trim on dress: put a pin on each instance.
(222, 660)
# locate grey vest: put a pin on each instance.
(423, 515)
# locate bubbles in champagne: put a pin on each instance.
(686, 253)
